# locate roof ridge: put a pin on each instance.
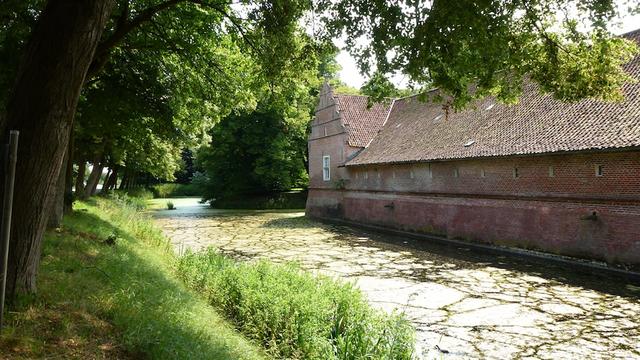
(393, 102)
(629, 32)
(337, 94)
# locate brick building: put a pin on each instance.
(557, 177)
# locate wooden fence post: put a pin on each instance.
(7, 204)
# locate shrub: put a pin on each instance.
(141, 193)
(294, 314)
(170, 205)
(124, 200)
(280, 200)
(174, 190)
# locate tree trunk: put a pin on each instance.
(42, 106)
(106, 179)
(82, 169)
(56, 207)
(94, 177)
(68, 179)
(113, 179)
(125, 180)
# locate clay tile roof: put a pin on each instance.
(362, 124)
(419, 131)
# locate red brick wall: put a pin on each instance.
(573, 176)
(533, 210)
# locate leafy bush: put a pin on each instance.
(280, 200)
(294, 314)
(174, 190)
(124, 200)
(170, 205)
(140, 193)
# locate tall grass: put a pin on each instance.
(294, 314)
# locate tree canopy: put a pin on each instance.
(470, 49)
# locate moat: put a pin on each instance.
(463, 303)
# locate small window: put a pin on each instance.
(325, 131)
(483, 173)
(394, 174)
(326, 169)
(357, 175)
(552, 171)
(366, 175)
(456, 172)
(516, 173)
(411, 175)
(378, 172)
(599, 170)
(430, 171)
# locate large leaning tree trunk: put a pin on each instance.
(42, 106)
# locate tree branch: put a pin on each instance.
(543, 32)
(233, 20)
(123, 28)
(125, 25)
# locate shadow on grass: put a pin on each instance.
(130, 285)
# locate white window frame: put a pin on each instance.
(326, 167)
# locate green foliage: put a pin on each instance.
(170, 205)
(138, 194)
(120, 301)
(17, 20)
(470, 49)
(175, 190)
(256, 152)
(295, 315)
(344, 89)
(279, 200)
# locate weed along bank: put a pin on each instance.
(559, 177)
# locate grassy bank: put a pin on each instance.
(294, 314)
(107, 289)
